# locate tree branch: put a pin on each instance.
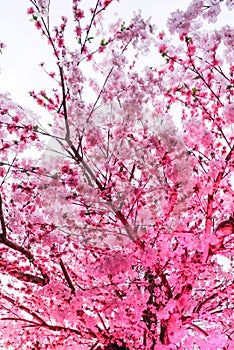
(27, 277)
(17, 247)
(2, 220)
(198, 328)
(67, 277)
(20, 275)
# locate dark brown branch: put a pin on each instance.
(67, 277)
(2, 220)
(27, 277)
(44, 325)
(198, 329)
(102, 321)
(94, 345)
(164, 282)
(64, 96)
(20, 320)
(164, 338)
(17, 247)
(132, 172)
(199, 306)
(11, 269)
(131, 233)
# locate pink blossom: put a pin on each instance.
(118, 60)
(230, 4)
(61, 42)
(101, 48)
(177, 23)
(106, 2)
(78, 31)
(228, 112)
(38, 24)
(212, 13)
(227, 34)
(40, 102)
(193, 10)
(2, 172)
(93, 136)
(44, 7)
(213, 2)
(30, 10)
(89, 57)
(79, 14)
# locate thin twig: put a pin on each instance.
(90, 25)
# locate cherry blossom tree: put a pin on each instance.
(116, 217)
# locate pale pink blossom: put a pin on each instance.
(119, 60)
(177, 23)
(43, 7)
(228, 112)
(230, 4)
(212, 13)
(193, 10)
(227, 34)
